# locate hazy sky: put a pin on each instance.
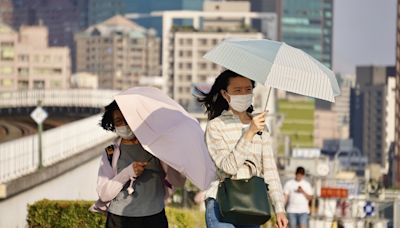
(364, 33)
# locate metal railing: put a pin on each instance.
(20, 157)
(64, 98)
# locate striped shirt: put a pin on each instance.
(229, 150)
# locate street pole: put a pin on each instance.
(39, 115)
(40, 130)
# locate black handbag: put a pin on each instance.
(244, 201)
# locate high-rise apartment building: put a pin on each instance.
(342, 104)
(6, 12)
(325, 126)
(268, 6)
(63, 18)
(368, 117)
(308, 25)
(26, 61)
(140, 7)
(119, 51)
(184, 47)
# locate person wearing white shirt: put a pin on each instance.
(298, 192)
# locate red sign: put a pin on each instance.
(328, 192)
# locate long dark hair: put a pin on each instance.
(107, 121)
(213, 101)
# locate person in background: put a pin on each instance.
(132, 184)
(233, 143)
(298, 194)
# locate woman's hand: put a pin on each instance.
(257, 124)
(138, 167)
(281, 220)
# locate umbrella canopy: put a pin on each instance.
(167, 131)
(277, 65)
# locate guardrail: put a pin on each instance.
(20, 157)
(64, 98)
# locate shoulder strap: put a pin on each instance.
(109, 152)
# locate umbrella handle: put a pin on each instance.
(266, 105)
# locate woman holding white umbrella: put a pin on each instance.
(131, 181)
(233, 143)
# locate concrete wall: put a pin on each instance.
(79, 183)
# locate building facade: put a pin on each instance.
(141, 7)
(325, 126)
(397, 108)
(342, 105)
(27, 62)
(308, 25)
(368, 117)
(6, 12)
(174, 56)
(188, 66)
(119, 51)
(268, 6)
(63, 18)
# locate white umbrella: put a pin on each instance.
(167, 131)
(277, 65)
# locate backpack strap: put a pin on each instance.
(109, 152)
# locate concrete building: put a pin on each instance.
(142, 10)
(84, 80)
(27, 62)
(308, 25)
(6, 12)
(390, 120)
(342, 105)
(396, 178)
(119, 51)
(267, 6)
(368, 117)
(63, 18)
(325, 126)
(183, 47)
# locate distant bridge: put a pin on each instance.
(21, 156)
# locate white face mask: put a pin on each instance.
(241, 103)
(124, 132)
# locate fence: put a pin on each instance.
(64, 98)
(20, 157)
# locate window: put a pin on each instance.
(36, 58)
(7, 54)
(7, 83)
(6, 70)
(6, 44)
(203, 41)
(46, 59)
(23, 58)
(23, 71)
(58, 58)
(23, 84)
(55, 84)
(38, 84)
